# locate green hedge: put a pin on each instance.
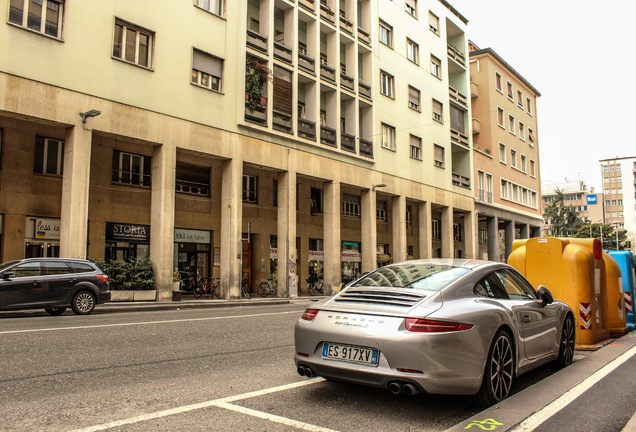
(134, 274)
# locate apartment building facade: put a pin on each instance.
(619, 193)
(238, 140)
(506, 154)
(586, 202)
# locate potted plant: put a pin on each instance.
(256, 75)
(130, 280)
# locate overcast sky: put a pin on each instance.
(579, 56)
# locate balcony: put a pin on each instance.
(307, 129)
(364, 36)
(459, 138)
(328, 136)
(346, 24)
(364, 89)
(456, 55)
(194, 188)
(282, 52)
(282, 122)
(256, 41)
(457, 97)
(258, 115)
(327, 14)
(348, 142)
(307, 63)
(366, 147)
(476, 125)
(460, 180)
(347, 81)
(474, 89)
(327, 72)
(307, 4)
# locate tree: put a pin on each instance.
(607, 233)
(562, 218)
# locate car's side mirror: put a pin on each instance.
(545, 295)
(8, 275)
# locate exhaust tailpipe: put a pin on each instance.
(301, 371)
(305, 371)
(410, 389)
(395, 387)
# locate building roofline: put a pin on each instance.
(492, 53)
(454, 11)
(617, 158)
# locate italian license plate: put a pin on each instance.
(350, 353)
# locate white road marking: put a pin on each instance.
(548, 411)
(220, 403)
(145, 323)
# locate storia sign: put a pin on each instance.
(127, 232)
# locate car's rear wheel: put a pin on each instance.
(566, 348)
(55, 311)
(499, 372)
(83, 303)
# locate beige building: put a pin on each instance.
(239, 139)
(619, 191)
(587, 203)
(506, 154)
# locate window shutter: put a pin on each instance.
(208, 64)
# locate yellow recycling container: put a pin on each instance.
(616, 316)
(574, 271)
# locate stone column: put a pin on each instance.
(331, 237)
(470, 234)
(231, 228)
(164, 163)
(75, 190)
(287, 251)
(525, 231)
(369, 230)
(448, 239)
(509, 236)
(493, 238)
(424, 230)
(398, 228)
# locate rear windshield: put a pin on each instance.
(81, 267)
(417, 276)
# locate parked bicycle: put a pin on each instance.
(315, 286)
(245, 287)
(207, 285)
(267, 287)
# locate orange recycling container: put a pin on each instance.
(616, 315)
(574, 271)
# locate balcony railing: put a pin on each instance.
(307, 4)
(364, 36)
(366, 147)
(345, 24)
(364, 89)
(282, 52)
(307, 129)
(327, 72)
(346, 81)
(327, 14)
(476, 124)
(459, 138)
(456, 55)
(460, 180)
(307, 63)
(328, 136)
(474, 89)
(455, 95)
(282, 121)
(256, 41)
(348, 142)
(194, 188)
(485, 196)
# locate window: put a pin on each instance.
(214, 6)
(131, 168)
(49, 156)
(457, 117)
(458, 231)
(436, 230)
(411, 7)
(42, 16)
(409, 220)
(513, 158)
(533, 172)
(510, 95)
(520, 99)
(386, 84)
(412, 51)
(529, 105)
(433, 23)
(436, 67)
(531, 137)
(192, 179)
(522, 131)
(500, 117)
(416, 147)
(502, 152)
(207, 70)
(388, 137)
(511, 124)
(437, 111)
(483, 236)
(498, 82)
(350, 205)
(524, 166)
(386, 34)
(316, 201)
(381, 211)
(438, 155)
(250, 189)
(414, 98)
(133, 44)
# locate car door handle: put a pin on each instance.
(527, 318)
(72, 280)
(36, 282)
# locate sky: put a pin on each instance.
(579, 56)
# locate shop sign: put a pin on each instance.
(127, 232)
(47, 228)
(191, 236)
(382, 258)
(273, 253)
(316, 255)
(349, 256)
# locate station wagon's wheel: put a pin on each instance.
(55, 311)
(566, 346)
(499, 372)
(83, 303)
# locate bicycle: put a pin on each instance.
(207, 285)
(245, 288)
(267, 287)
(315, 287)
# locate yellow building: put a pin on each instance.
(506, 154)
(237, 139)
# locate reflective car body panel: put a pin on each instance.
(480, 297)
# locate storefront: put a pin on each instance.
(127, 241)
(42, 237)
(316, 259)
(192, 254)
(351, 260)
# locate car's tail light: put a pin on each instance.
(433, 326)
(102, 277)
(309, 314)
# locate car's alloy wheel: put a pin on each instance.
(499, 372)
(566, 348)
(83, 303)
(55, 311)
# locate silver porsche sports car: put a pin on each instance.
(444, 326)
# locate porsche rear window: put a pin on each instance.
(424, 277)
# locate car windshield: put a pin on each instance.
(419, 276)
(7, 264)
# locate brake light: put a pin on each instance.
(102, 277)
(433, 326)
(309, 314)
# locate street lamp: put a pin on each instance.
(381, 185)
(90, 113)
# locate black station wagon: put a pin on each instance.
(54, 284)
